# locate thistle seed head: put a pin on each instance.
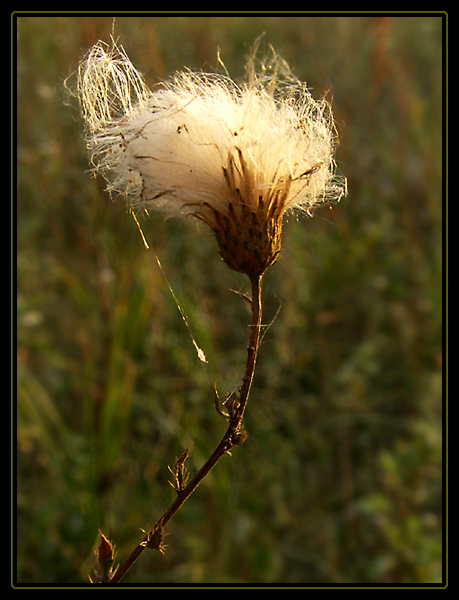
(236, 157)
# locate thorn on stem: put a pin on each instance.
(155, 538)
(242, 296)
(218, 403)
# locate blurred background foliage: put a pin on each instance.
(340, 478)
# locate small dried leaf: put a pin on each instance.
(179, 472)
(105, 558)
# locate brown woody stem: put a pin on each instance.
(234, 435)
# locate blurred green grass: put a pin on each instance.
(340, 478)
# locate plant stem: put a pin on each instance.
(233, 436)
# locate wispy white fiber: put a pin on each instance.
(200, 145)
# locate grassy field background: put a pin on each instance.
(339, 480)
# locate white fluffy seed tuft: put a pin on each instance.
(199, 143)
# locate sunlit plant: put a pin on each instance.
(237, 157)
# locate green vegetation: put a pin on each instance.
(339, 480)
